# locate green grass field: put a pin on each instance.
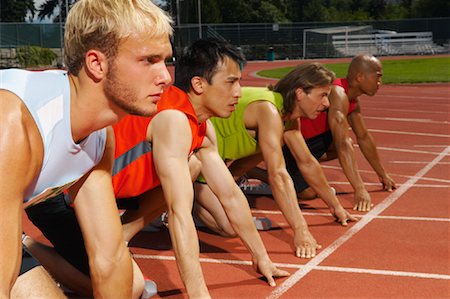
(420, 70)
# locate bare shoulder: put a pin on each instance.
(14, 115)
(339, 101)
(20, 141)
(337, 94)
(167, 121)
(171, 128)
(260, 112)
(262, 106)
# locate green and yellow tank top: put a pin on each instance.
(233, 139)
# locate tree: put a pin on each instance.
(254, 11)
(273, 12)
(16, 10)
(209, 8)
(430, 8)
(49, 7)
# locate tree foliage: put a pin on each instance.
(33, 56)
(16, 10)
(54, 9)
(430, 8)
(279, 11)
(256, 11)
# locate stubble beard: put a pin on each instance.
(123, 96)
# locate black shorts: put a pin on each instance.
(58, 223)
(28, 261)
(317, 146)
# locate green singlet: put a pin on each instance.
(233, 139)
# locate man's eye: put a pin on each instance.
(170, 61)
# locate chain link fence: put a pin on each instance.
(263, 41)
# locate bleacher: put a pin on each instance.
(410, 43)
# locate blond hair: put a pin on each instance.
(102, 24)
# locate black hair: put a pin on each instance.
(201, 59)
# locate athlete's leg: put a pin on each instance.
(68, 260)
(259, 174)
(34, 281)
(151, 204)
(61, 270)
(318, 146)
(331, 153)
(302, 188)
(207, 208)
(242, 166)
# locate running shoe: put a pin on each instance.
(150, 289)
(262, 223)
(253, 186)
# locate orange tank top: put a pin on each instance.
(134, 172)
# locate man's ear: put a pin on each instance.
(360, 76)
(96, 65)
(299, 93)
(197, 84)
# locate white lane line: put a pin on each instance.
(366, 219)
(409, 133)
(385, 272)
(413, 120)
(406, 110)
(417, 162)
(431, 219)
(381, 96)
(379, 184)
(404, 150)
(298, 266)
(431, 145)
(372, 172)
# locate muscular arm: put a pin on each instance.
(170, 154)
(313, 174)
(21, 154)
(96, 210)
(235, 204)
(337, 119)
(368, 148)
(270, 134)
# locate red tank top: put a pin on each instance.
(134, 172)
(314, 127)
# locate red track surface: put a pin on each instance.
(401, 249)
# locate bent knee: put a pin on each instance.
(227, 232)
(36, 283)
(138, 284)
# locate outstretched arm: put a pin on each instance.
(270, 134)
(337, 119)
(96, 210)
(313, 174)
(170, 156)
(369, 149)
(236, 207)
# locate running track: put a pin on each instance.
(400, 249)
